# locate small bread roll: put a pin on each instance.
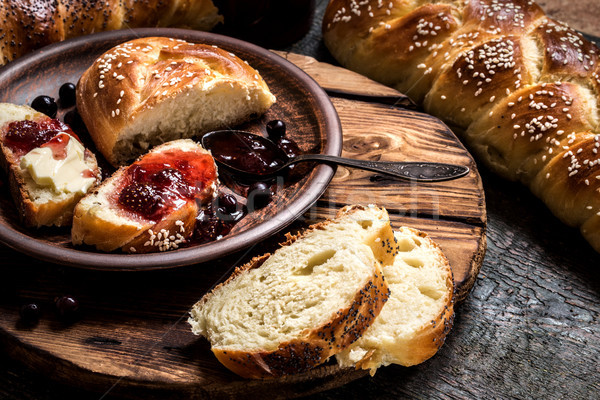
(153, 90)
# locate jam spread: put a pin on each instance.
(160, 182)
(213, 222)
(24, 136)
(58, 146)
(247, 152)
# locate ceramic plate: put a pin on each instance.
(310, 117)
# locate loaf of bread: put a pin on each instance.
(289, 311)
(150, 205)
(48, 168)
(152, 90)
(419, 313)
(30, 25)
(521, 89)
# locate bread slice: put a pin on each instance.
(289, 311)
(40, 204)
(153, 90)
(100, 220)
(419, 313)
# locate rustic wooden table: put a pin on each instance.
(528, 329)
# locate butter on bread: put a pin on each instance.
(419, 313)
(101, 221)
(155, 89)
(45, 188)
(287, 312)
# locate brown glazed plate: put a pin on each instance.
(310, 117)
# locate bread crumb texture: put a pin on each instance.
(289, 311)
(153, 90)
(418, 315)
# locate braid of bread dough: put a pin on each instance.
(521, 89)
(30, 25)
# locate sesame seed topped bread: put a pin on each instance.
(520, 88)
(39, 202)
(418, 315)
(289, 311)
(152, 90)
(102, 221)
(30, 25)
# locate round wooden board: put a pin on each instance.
(133, 338)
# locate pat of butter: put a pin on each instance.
(64, 175)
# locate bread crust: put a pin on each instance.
(128, 83)
(520, 88)
(57, 211)
(425, 341)
(30, 25)
(101, 223)
(319, 343)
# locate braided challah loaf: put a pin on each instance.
(519, 87)
(29, 25)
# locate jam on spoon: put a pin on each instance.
(251, 156)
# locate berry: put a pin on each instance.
(67, 307)
(141, 198)
(46, 105)
(259, 195)
(276, 129)
(227, 203)
(74, 120)
(30, 313)
(66, 94)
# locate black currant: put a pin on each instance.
(228, 203)
(46, 105)
(30, 313)
(259, 195)
(73, 119)
(66, 93)
(67, 307)
(276, 129)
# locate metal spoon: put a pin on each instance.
(255, 157)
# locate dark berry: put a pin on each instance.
(276, 129)
(46, 105)
(259, 195)
(67, 306)
(66, 94)
(209, 226)
(141, 198)
(73, 119)
(228, 203)
(30, 313)
(289, 147)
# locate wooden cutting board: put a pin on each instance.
(133, 338)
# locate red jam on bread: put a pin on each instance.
(23, 136)
(161, 182)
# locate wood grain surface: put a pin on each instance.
(527, 330)
(138, 334)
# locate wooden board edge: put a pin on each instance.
(326, 377)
